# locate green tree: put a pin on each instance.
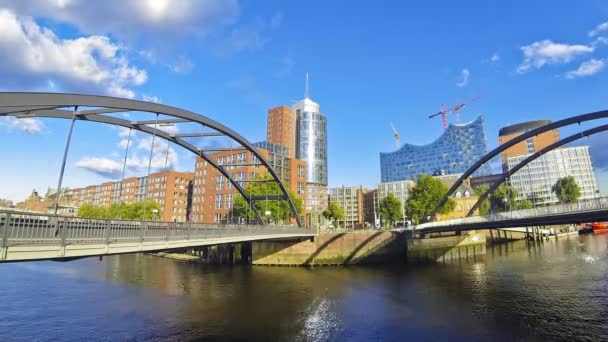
(280, 211)
(334, 212)
(424, 198)
(391, 209)
(124, 211)
(484, 207)
(504, 198)
(566, 190)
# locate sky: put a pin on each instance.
(370, 64)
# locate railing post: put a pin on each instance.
(4, 250)
(142, 226)
(63, 236)
(107, 235)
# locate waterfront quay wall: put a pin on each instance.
(347, 248)
(447, 249)
(342, 248)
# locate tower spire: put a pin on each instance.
(306, 92)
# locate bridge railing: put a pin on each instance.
(27, 228)
(580, 206)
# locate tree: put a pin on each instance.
(280, 211)
(566, 190)
(334, 212)
(424, 198)
(124, 211)
(504, 198)
(391, 209)
(484, 207)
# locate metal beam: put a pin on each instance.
(163, 121)
(195, 135)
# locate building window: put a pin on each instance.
(300, 188)
(300, 171)
(219, 183)
(459, 207)
(218, 201)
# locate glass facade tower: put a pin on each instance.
(311, 140)
(457, 149)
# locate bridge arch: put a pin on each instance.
(557, 124)
(53, 105)
(533, 157)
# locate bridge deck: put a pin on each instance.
(27, 236)
(591, 210)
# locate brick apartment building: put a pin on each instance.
(170, 189)
(213, 194)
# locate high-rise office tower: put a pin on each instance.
(311, 146)
(281, 128)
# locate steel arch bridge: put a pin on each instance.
(577, 119)
(68, 106)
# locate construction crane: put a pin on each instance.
(456, 109)
(397, 138)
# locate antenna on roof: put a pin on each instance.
(306, 92)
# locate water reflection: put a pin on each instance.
(549, 290)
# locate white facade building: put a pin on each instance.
(350, 199)
(535, 180)
(400, 189)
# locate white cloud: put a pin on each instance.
(127, 18)
(599, 29)
(104, 167)
(464, 78)
(538, 54)
(587, 68)
(32, 56)
(150, 98)
(495, 57)
(124, 132)
(137, 160)
(123, 143)
(183, 65)
(27, 125)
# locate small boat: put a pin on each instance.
(600, 227)
(585, 229)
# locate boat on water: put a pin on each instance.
(600, 227)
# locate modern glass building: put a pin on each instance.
(311, 140)
(458, 148)
(311, 146)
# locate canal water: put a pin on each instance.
(557, 290)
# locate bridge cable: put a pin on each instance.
(122, 179)
(65, 156)
(149, 166)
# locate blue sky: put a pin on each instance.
(369, 65)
